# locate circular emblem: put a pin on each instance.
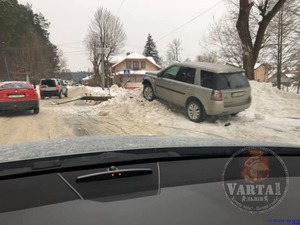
(255, 179)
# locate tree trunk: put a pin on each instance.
(245, 37)
(279, 48)
(250, 50)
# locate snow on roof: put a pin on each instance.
(88, 77)
(136, 56)
(290, 75)
(257, 65)
(138, 72)
(116, 59)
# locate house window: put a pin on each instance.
(135, 65)
(128, 64)
(143, 65)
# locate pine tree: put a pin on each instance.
(150, 49)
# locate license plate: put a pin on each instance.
(237, 94)
(16, 96)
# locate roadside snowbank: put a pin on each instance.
(273, 116)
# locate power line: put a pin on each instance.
(190, 20)
(70, 43)
(120, 7)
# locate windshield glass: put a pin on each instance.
(149, 112)
(93, 66)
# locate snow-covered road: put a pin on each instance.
(274, 116)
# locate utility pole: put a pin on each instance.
(102, 66)
(103, 51)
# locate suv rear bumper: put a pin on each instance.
(218, 108)
(49, 93)
(19, 105)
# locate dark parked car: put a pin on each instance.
(53, 87)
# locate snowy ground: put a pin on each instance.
(274, 116)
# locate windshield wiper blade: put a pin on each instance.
(23, 168)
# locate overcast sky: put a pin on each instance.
(70, 20)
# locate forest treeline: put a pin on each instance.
(25, 48)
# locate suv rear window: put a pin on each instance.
(15, 85)
(49, 83)
(223, 81)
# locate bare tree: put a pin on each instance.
(223, 37)
(92, 46)
(63, 64)
(105, 32)
(210, 56)
(251, 45)
(283, 46)
(173, 51)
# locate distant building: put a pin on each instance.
(131, 69)
(135, 62)
(285, 80)
(260, 72)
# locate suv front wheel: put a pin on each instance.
(148, 92)
(195, 111)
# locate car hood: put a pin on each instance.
(152, 73)
(89, 144)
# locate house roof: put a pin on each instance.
(257, 65)
(136, 56)
(237, 65)
(284, 78)
(115, 59)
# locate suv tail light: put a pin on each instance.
(216, 95)
(57, 87)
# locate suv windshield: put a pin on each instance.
(223, 81)
(49, 83)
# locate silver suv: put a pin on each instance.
(53, 87)
(201, 88)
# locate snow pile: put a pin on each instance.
(268, 102)
(273, 115)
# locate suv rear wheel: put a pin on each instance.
(66, 94)
(148, 92)
(195, 111)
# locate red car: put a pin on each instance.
(17, 96)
